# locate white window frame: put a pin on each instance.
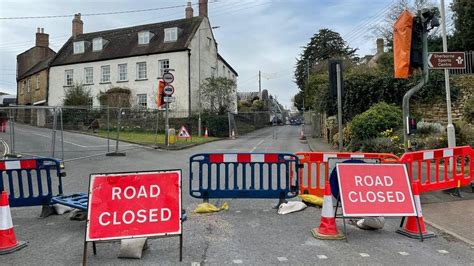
(171, 34)
(28, 85)
(79, 47)
(37, 82)
(97, 44)
(144, 37)
(86, 81)
(121, 67)
(163, 64)
(105, 75)
(142, 100)
(90, 101)
(68, 77)
(140, 71)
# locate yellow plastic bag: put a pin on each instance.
(312, 199)
(209, 208)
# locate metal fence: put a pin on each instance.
(469, 65)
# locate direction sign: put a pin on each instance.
(449, 60)
(168, 77)
(168, 90)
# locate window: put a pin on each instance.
(163, 64)
(88, 75)
(79, 47)
(144, 37)
(90, 101)
(141, 70)
(171, 34)
(97, 44)
(23, 87)
(209, 41)
(141, 100)
(68, 77)
(37, 82)
(122, 72)
(105, 74)
(28, 86)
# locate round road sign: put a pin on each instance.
(168, 90)
(168, 77)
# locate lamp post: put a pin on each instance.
(199, 76)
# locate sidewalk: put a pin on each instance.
(317, 144)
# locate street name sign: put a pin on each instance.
(168, 90)
(168, 77)
(448, 60)
(375, 190)
(137, 204)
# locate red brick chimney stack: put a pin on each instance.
(380, 46)
(203, 8)
(77, 25)
(42, 39)
(189, 10)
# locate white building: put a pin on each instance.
(135, 57)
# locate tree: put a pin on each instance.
(463, 17)
(77, 95)
(219, 93)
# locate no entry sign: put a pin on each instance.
(139, 204)
(375, 190)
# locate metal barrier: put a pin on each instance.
(440, 169)
(243, 175)
(315, 167)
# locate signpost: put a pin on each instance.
(134, 204)
(168, 77)
(168, 90)
(447, 60)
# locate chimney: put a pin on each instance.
(189, 11)
(380, 46)
(77, 25)
(42, 39)
(203, 8)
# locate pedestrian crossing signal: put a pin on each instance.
(183, 133)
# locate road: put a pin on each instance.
(250, 232)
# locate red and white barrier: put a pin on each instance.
(243, 158)
(19, 164)
(8, 242)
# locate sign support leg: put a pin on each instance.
(84, 254)
(181, 247)
(94, 248)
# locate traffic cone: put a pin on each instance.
(302, 136)
(8, 242)
(411, 225)
(327, 228)
(205, 133)
(233, 134)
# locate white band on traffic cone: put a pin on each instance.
(5, 218)
(418, 205)
(327, 207)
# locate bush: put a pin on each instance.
(381, 145)
(468, 111)
(377, 119)
(464, 134)
(427, 128)
(77, 95)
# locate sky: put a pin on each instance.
(253, 35)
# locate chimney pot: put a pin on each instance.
(42, 39)
(38, 30)
(380, 46)
(189, 10)
(203, 8)
(77, 25)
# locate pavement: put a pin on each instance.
(249, 233)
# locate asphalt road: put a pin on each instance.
(250, 232)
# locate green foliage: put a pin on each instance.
(427, 128)
(219, 93)
(218, 125)
(378, 118)
(468, 111)
(464, 134)
(463, 36)
(77, 95)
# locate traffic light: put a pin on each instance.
(411, 126)
(160, 95)
(416, 51)
(333, 77)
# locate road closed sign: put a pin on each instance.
(375, 190)
(139, 204)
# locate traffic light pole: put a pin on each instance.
(412, 91)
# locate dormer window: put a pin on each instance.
(144, 37)
(79, 47)
(171, 34)
(97, 44)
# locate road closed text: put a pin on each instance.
(375, 196)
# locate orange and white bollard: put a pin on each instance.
(327, 228)
(205, 133)
(8, 242)
(302, 136)
(411, 226)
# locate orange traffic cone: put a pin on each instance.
(327, 228)
(411, 225)
(205, 133)
(302, 136)
(8, 242)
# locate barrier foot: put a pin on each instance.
(15, 156)
(115, 154)
(280, 202)
(18, 246)
(456, 192)
(46, 211)
(416, 235)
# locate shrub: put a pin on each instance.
(464, 134)
(427, 128)
(378, 118)
(77, 95)
(468, 111)
(381, 145)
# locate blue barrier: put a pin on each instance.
(243, 175)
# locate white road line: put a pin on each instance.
(322, 257)
(442, 251)
(403, 253)
(282, 259)
(194, 263)
(237, 211)
(237, 261)
(364, 255)
(255, 147)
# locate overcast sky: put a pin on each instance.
(254, 35)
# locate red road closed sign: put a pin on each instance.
(140, 204)
(375, 190)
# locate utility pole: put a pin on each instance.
(260, 84)
(450, 128)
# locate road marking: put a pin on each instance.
(194, 263)
(322, 257)
(237, 211)
(364, 255)
(403, 253)
(282, 259)
(442, 251)
(237, 261)
(254, 148)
